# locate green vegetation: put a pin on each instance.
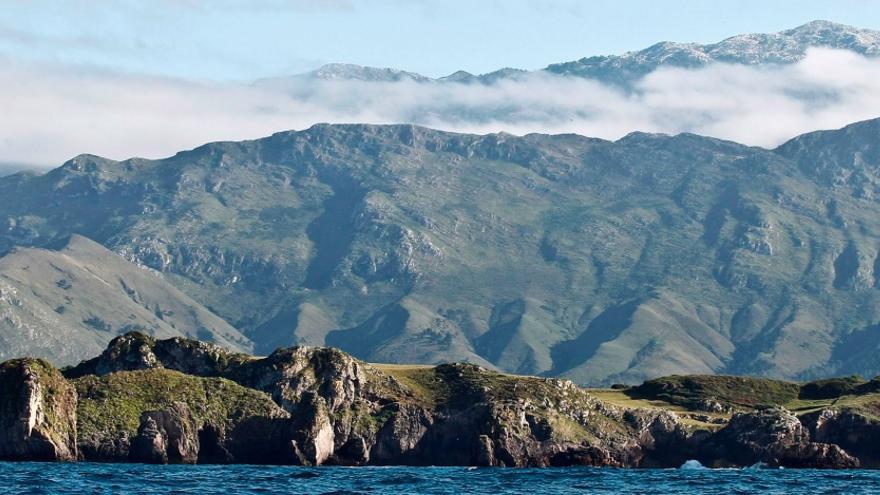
(866, 405)
(731, 391)
(460, 385)
(113, 404)
(687, 394)
(831, 388)
(421, 380)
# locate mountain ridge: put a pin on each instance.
(782, 47)
(601, 261)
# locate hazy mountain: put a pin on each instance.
(488, 78)
(361, 73)
(7, 168)
(784, 47)
(65, 304)
(601, 261)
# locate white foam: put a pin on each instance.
(692, 464)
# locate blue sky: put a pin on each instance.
(228, 40)
(122, 78)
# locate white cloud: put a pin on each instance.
(51, 114)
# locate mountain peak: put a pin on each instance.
(338, 71)
(85, 163)
(822, 25)
(459, 76)
(784, 47)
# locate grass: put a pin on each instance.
(568, 430)
(461, 385)
(680, 394)
(689, 418)
(620, 398)
(420, 379)
(113, 404)
(732, 391)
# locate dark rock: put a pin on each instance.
(137, 351)
(355, 452)
(167, 436)
(590, 456)
(129, 352)
(264, 441)
(773, 436)
(853, 430)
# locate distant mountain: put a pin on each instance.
(561, 255)
(7, 168)
(360, 73)
(784, 47)
(65, 304)
(488, 78)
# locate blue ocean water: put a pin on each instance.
(87, 478)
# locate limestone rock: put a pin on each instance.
(37, 412)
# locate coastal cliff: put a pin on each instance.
(37, 412)
(184, 401)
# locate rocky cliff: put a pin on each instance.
(37, 412)
(183, 401)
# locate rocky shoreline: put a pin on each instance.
(184, 401)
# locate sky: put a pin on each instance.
(128, 78)
(231, 40)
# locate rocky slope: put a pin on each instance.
(66, 304)
(180, 401)
(562, 255)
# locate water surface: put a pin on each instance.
(88, 478)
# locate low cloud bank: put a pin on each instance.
(51, 113)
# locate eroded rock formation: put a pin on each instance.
(37, 412)
(179, 401)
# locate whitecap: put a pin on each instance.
(692, 464)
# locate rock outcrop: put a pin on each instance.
(180, 401)
(164, 416)
(37, 412)
(137, 351)
(774, 437)
(857, 431)
(167, 436)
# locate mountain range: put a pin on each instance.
(564, 255)
(784, 47)
(560, 255)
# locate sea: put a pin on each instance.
(89, 478)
